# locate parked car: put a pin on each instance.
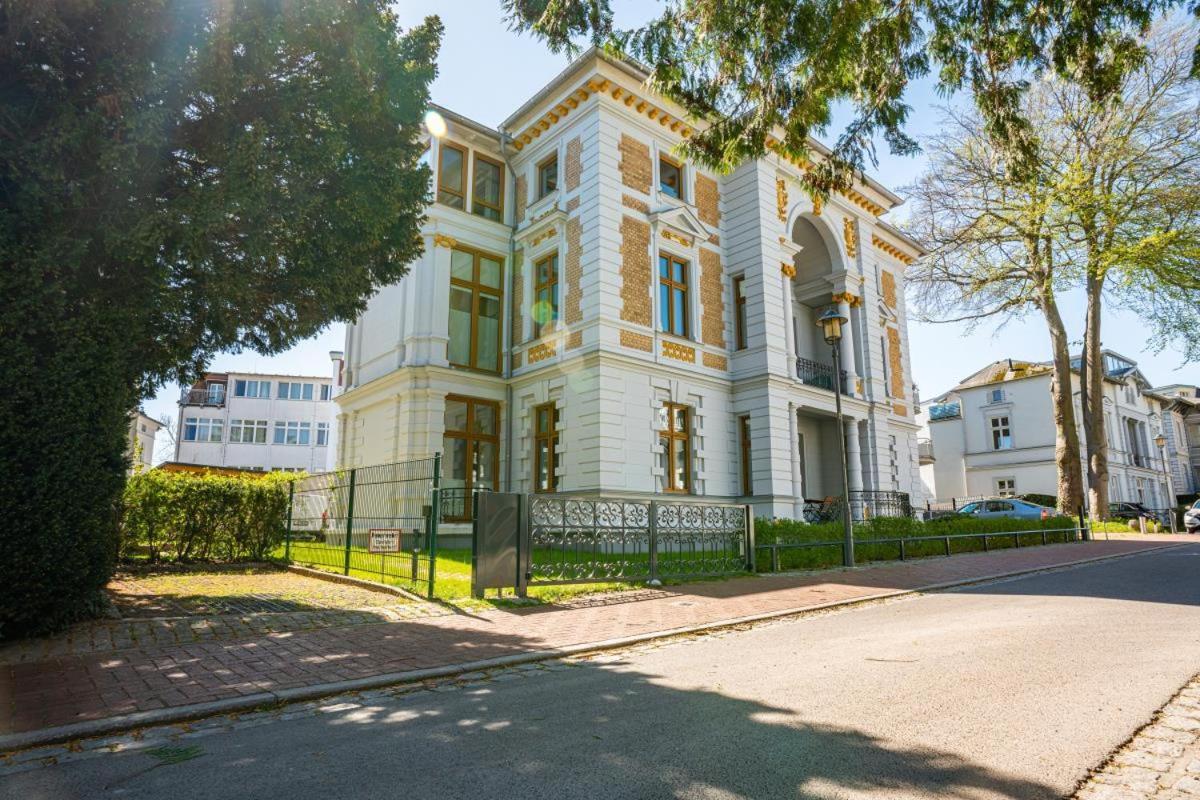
(1007, 507)
(1191, 518)
(1129, 511)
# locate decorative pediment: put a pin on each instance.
(681, 221)
(540, 228)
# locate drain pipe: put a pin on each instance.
(508, 369)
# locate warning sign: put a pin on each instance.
(384, 540)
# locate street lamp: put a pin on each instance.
(1161, 441)
(831, 323)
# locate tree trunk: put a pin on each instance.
(1094, 432)
(1066, 432)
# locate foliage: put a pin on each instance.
(751, 67)
(180, 516)
(787, 531)
(177, 179)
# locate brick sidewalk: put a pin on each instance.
(77, 687)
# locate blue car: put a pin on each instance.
(1007, 507)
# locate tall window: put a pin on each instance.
(739, 311)
(322, 434)
(545, 447)
(472, 445)
(547, 176)
(325, 391)
(452, 176)
(200, 429)
(545, 294)
(248, 431)
(747, 464)
(675, 437)
(1001, 434)
(487, 189)
(670, 177)
(475, 298)
(673, 294)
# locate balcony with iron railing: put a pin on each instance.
(214, 395)
(814, 373)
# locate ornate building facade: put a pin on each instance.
(593, 315)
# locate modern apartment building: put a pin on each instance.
(593, 315)
(256, 422)
(993, 434)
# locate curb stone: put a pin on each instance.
(12, 742)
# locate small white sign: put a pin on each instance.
(384, 540)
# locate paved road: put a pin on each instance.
(1010, 690)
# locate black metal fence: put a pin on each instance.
(905, 547)
(814, 373)
(372, 522)
(864, 506)
(581, 540)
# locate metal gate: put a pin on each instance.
(369, 522)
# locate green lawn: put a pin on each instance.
(452, 578)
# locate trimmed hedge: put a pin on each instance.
(179, 516)
(787, 531)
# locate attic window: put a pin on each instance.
(996, 396)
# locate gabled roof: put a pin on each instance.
(1006, 369)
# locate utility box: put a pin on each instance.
(496, 540)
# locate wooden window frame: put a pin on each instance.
(744, 449)
(663, 158)
(547, 439)
(739, 313)
(550, 283)
(499, 209)
(676, 438)
(477, 288)
(667, 315)
(472, 439)
(466, 154)
(541, 165)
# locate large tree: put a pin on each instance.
(748, 67)
(1132, 203)
(995, 241)
(176, 179)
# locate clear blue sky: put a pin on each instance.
(485, 72)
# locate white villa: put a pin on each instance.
(592, 315)
(993, 434)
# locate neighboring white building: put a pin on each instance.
(993, 434)
(1183, 435)
(591, 315)
(243, 420)
(142, 431)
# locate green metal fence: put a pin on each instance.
(373, 522)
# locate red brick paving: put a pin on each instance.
(70, 688)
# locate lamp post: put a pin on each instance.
(831, 326)
(1161, 441)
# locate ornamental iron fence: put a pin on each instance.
(373, 522)
(814, 373)
(565, 539)
(864, 506)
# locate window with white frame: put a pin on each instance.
(293, 432)
(248, 388)
(1001, 433)
(203, 429)
(295, 391)
(325, 391)
(322, 434)
(1006, 487)
(996, 396)
(248, 431)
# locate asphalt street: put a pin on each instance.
(1013, 689)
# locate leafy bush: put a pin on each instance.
(788, 531)
(178, 516)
